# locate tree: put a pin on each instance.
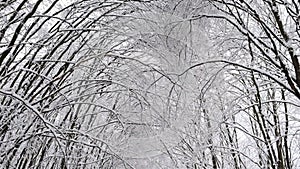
(54, 67)
(259, 49)
(149, 84)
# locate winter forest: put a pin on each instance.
(149, 84)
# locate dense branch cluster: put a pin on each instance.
(149, 84)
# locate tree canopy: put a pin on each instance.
(149, 84)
